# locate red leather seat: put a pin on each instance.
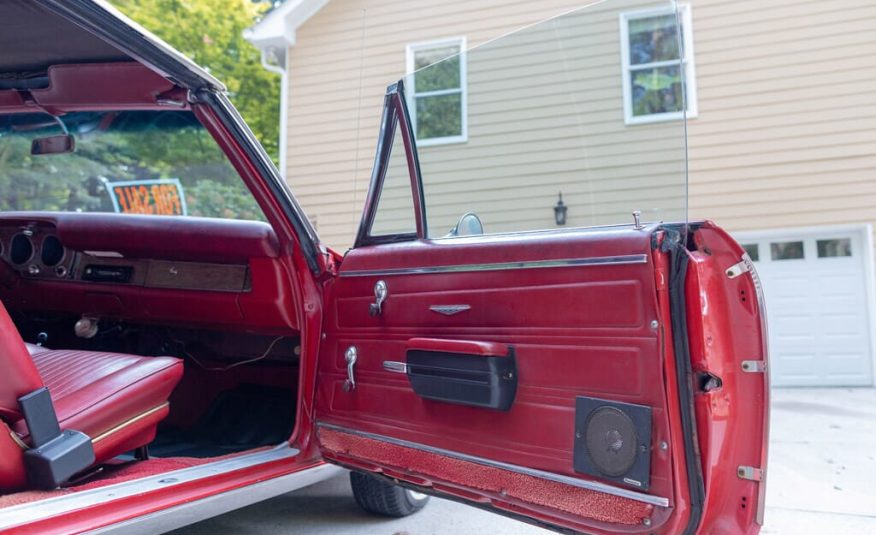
(116, 399)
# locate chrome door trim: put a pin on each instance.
(541, 474)
(26, 513)
(502, 266)
(195, 511)
(395, 366)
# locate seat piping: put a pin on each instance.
(128, 422)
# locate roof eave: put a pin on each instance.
(278, 28)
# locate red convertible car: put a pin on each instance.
(177, 342)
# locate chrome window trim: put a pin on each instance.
(502, 266)
(541, 474)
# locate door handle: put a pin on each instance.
(380, 294)
(350, 356)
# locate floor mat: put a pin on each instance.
(250, 416)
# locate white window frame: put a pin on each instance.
(687, 59)
(463, 89)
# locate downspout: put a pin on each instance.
(284, 96)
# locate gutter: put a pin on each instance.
(283, 71)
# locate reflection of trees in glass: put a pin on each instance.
(119, 147)
(653, 39)
(210, 32)
(437, 92)
(656, 90)
(441, 74)
(439, 116)
(655, 77)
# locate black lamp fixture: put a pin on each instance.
(560, 211)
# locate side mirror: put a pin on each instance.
(53, 145)
(469, 225)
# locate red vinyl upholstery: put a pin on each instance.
(115, 399)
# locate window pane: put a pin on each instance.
(158, 162)
(542, 120)
(439, 116)
(753, 251)
(444, 75)
(656, 90)
(395, 209)
(653, 39)
(830, 248)
(789, 250)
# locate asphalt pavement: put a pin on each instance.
(821, 480)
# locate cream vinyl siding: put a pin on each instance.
(784, 135)
(512, 150)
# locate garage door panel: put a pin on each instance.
(817, 307)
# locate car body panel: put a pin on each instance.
(587, 312)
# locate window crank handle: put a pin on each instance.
(380, 294)
(350, 356)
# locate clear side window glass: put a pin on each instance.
(547, 145)
(395, 208)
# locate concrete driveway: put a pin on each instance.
(822, 479)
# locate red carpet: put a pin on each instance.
(582, 502)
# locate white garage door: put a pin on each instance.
(816, 288)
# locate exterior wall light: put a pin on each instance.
(560, 210)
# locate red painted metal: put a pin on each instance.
(575, 330)
(725, 328)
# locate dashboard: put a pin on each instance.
(158, 269)
(36, 252)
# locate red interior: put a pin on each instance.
(98, 86)
(575, 330)
(267, 307)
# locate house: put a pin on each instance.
(780, 124)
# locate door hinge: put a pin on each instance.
(750, 473)
(754, 366)
(744, 266)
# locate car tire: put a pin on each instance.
(381, 498)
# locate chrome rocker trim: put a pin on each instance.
(24, 514)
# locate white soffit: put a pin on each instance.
(278, 27)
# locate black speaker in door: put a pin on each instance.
(613, 441)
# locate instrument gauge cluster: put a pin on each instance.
(35, 251)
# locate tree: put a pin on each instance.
(210, 32)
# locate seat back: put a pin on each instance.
(19, 376)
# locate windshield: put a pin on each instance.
(577, 121)
(143, 162)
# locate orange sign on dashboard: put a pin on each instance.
(157, 197)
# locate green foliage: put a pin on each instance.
(133, 146)
(210, 32)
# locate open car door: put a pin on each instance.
(608, 379)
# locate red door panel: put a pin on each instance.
(580, 311)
